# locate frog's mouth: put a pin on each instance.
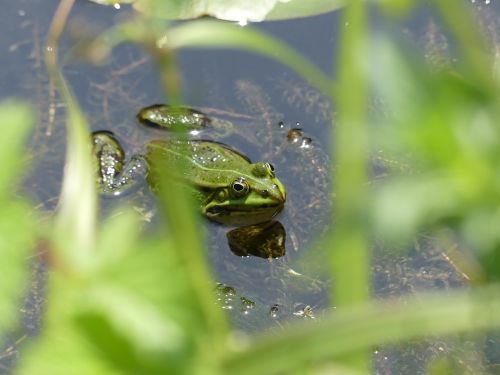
(234, 214)
(245, 210)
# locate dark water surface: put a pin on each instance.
(257, 292)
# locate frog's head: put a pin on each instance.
(249, 198)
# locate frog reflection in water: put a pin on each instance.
(229, 188)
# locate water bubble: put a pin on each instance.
(281, 124)
(246, 305)
(274, 310)
(294, 135)
(228, 291)
(306, 142)
(305, 312)
(225, 296)
(194, 132)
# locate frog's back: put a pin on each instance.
(202, 162)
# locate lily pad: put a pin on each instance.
(236, 10)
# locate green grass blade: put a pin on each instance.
(361, 327)
(471, 42)
(78, 201)
(184, 228)
(349, 255)
(75, 229)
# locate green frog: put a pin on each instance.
(229, 188)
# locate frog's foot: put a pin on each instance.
(132, 176)
(115, 177)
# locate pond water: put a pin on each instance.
(265, 100)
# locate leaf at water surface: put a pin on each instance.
(301, 8)
(234, 10)
(111, 2)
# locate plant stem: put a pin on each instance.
(349, 255)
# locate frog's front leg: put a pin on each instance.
(113, 176)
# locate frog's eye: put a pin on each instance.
(262, 170)
(271, 168)
(239, 188)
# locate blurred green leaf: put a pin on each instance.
(475, 57)
(17, 229)
(135, 308)
(139, 320)
(61, 349)
(444, 122)
(17, 122)
(17, 222)
(111, 345)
